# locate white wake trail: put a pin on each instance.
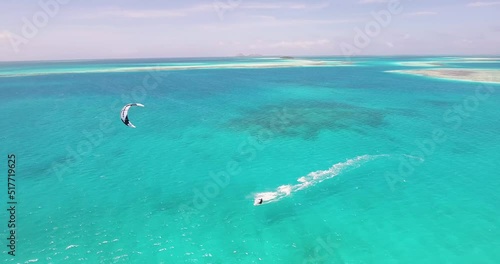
(312, 179)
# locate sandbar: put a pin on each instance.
(420, 63)
(457, 74)
(289, 63)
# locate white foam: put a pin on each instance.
(313, 178)
(71, 246)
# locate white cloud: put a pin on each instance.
(302, 22)
(482, 4)
(422, 13)
(4, 35)
(217, 5)
(150, 13)
(256, 22)
(262, 18)
(299, 44)
(262, 6)
(373, 1)
(298, 6)
(142, 13)
(203, 8)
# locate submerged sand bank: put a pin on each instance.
(440, 62)
(288, 63)
(469, 75)
(420, 63)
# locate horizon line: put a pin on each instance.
(255, 56)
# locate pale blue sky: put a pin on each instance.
(88, 29)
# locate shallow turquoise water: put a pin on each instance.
(148, 195)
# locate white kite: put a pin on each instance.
(124, 114)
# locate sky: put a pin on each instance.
(100, 29)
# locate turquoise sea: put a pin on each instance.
(355, 164)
